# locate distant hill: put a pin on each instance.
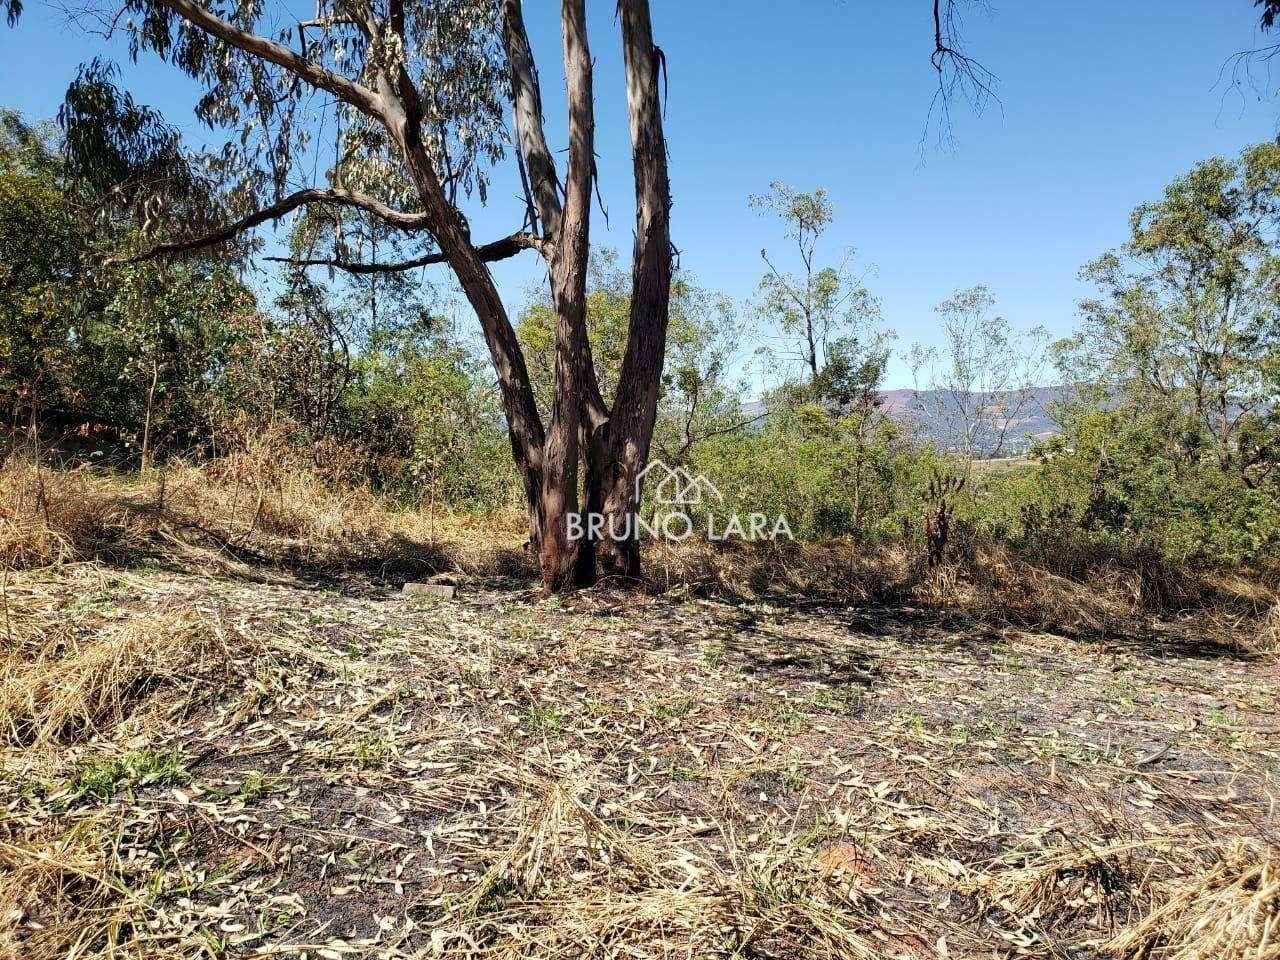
(1033, 422)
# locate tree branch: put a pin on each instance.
(786, 287)
(526, 100)
(582, 122)
(343, 88)
(502, 249)
(692, 438)
(397, 218)
(956, 71)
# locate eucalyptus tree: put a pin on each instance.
(1186, 321)
(415, 95)
(814, 305)
(974, 392)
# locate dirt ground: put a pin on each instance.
(345, 771)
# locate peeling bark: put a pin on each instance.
(630, 429)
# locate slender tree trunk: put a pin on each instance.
(625, 448)
(595, 457)
(811, 341)
(146, 423)
(558, 554)
(524, 426)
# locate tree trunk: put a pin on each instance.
(625, 449)
(557, 553)
(610, 494)
(524, 426)
(614, 445)
(146, 423)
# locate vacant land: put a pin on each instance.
(264, 766)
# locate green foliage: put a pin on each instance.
(178, 356)
(157, 353)
(1111, 478)
(815, 306)
(42, 243)
(110, 346)
(432, 392)
(129, 161)
(102, 779)
(698, 397)
(1171, 434)
(608, 317)
(831, 472)
(1187, 324)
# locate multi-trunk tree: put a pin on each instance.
(414, 96)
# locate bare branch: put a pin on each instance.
(786, 287)
(692, 438)
(957, 72)
(397, 218)
(502, 249)
(1238, 71)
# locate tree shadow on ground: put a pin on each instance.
(1195, 635)
(155, 537)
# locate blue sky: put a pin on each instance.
(1100, 109)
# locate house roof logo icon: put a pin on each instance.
(675, 485)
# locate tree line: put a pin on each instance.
(1165, 399)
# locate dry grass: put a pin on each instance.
(48, 517)
(256, 507)
(571, 885)
(72, 691)
(66, 894)
(1043, 887)
(249, 509)
(1227, 910)
(917, 776)
(1068, 590)
(1266, 630)
(609, 776)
